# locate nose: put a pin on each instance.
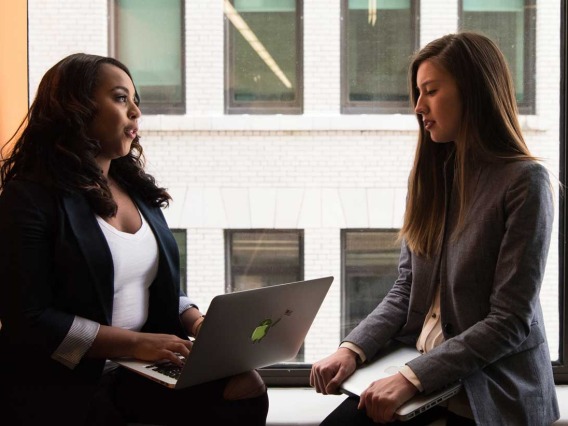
(134, 111)
(420, 107)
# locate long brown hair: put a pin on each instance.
(489, 132)
(53, 146)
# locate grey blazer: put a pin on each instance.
(490, 277)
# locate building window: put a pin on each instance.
(148, 37)
(263, 64)
(512, 25)
(377, 41)
(260, 258)
(181, 239)
(369, 269)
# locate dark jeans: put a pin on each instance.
(348, 414)
(123, 397)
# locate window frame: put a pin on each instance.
(528, 105)
(370, 107)
(560, 367)
(295, 107)
(154, 108)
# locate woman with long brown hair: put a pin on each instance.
(475, 239)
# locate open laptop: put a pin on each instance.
(242, 331)
(388, 362)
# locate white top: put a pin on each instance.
(135, 261)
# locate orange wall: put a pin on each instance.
(13, 66)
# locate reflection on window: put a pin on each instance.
(370, 268)
(181, 239)
(379, 37)
(511, 24)
(148, 38)
(259, 258)
(264, 61)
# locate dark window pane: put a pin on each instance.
(181, 239)
(263, 41)
(378, 53)
(149, 41)
(370, 270)
(379, 41)
(263, 258)
(505, 23)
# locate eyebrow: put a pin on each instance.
(425, 83)
(121, 87)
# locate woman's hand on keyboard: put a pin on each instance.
(155, 347)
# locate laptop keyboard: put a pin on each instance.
(167, 368)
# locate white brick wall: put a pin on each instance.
(320, 171)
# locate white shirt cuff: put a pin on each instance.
(407, 372)
(355, 349)
(78, 341)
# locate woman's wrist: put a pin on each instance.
(197, 325)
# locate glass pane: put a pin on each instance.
(371, 260)
(380, 41)
(263, 258)
(149, 41)
(503, 22)
(264, 35)
(181, 239)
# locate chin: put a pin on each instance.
(440, 140)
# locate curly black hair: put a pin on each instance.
(52, 145)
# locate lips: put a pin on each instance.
(428, 124)
(131, 132)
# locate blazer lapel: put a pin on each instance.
(94, 247)
(166, 244)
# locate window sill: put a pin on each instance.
(303, 123)
(303, 406)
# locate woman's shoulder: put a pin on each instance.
(22, 191)
(519, 169)
(25, 186)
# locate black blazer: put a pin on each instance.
(55, 264)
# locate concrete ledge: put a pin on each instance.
(299, 406)
(303, 406)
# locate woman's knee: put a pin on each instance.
(244, 385)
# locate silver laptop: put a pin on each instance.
(389, 362)
(242, 331)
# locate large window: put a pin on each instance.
(148, 36)
(263, 64)
(369, 260)
(378, 38)
(511, 24)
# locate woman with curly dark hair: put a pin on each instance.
(90, 270)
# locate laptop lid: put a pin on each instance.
(388, 362)
(246, 330)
